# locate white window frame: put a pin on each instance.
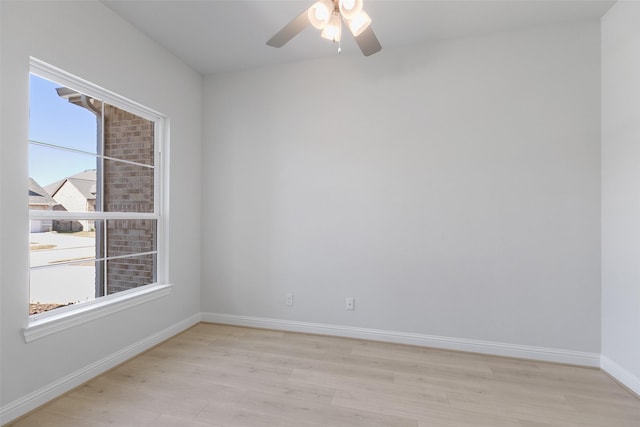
(43, 324)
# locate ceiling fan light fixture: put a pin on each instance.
(359, 23)
(328, 17)
(320, 13)
(333, 30)
(350, 8)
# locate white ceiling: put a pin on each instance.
(214, 36)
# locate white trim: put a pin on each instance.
(61, 319)
(54, 264)
(85, 153)
(45, 394)
(90, 215)
(161, 197)
(459, 344)
(51, 72)
(626, 378)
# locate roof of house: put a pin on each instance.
(84, 181)
(38, 195)
(54, 187)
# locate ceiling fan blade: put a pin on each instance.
(368, 42)
(290, 30)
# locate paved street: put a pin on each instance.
(62, 283)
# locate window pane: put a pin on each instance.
(129, 273)
(88, 156)
(62, 285)
(67, 178)
(49, 249)
(130, 236)
(58, 116)
(128, 136)
(128, 187)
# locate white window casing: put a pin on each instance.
(43, 324)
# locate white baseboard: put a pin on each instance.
(460, 344)
(626, 378)
(43, 395)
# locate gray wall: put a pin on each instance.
(621, 192)
(90, 41)
(452, 189)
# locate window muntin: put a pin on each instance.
(130, 189)
(117, 222)
(130, 236)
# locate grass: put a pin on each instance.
(61, 261)
(38, 247)
(91, 234)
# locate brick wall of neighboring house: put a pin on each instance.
(128, 188)
(66, 226)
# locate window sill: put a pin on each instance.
(53, 322)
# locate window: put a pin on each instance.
(95, 193)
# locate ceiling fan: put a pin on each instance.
(327, 16)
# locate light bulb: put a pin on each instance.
(333, 31)
(348, 4)
(320, 13)
(359, 23)
(350, 8)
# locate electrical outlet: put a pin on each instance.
(350, 303)
(289, 299)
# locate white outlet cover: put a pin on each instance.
(350, 303)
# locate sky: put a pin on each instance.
(54, 120)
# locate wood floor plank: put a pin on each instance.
(217, 375)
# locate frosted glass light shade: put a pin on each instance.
(333, 30)
(350, 8)
(320, 13)
(359, 23)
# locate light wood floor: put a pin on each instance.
(213, 375)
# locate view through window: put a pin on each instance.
(93, 190)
